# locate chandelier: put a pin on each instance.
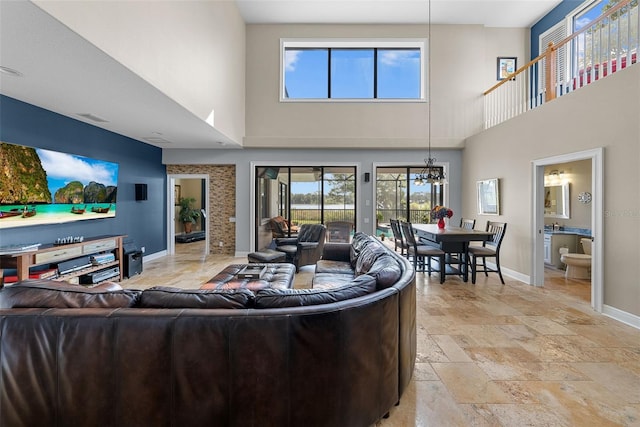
(430, 174)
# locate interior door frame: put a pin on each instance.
(596, 156)
(171, 217)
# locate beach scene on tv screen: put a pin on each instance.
(40, 186)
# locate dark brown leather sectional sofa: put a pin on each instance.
(114, 358)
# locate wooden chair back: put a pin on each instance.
(498, 229)
(467, 224)
(407, 232)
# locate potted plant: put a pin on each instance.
(188, 214)
(379, 218)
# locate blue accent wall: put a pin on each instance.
(549, 20)
(144, 222)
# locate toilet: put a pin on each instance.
(578, 265)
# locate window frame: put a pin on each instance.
(328, 43)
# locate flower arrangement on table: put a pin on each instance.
(440, 213)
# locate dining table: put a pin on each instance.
(452, 240)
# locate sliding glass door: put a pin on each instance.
(399, 197)
(306, 195)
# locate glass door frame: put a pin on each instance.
(377, 165)
(291, 164)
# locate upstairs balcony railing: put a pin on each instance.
(608, 44)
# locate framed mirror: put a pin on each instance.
(556, 201)
(488, 197)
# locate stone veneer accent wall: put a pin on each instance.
(222, 203)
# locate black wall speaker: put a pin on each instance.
(141, 191)
(367, 177)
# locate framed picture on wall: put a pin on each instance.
(506, 65)
(489, 197)
(177, 194)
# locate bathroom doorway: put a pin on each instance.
(550, 169)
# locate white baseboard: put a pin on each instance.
(241, 254)
(153, 256)
(510, 273)
(621, 316)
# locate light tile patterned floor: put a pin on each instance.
(488, 354)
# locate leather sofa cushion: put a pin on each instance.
(334, 267)
(168, 297)
(54, 294)
(368, 256)
(278, 298)
(332, 280)
(358, 243)
(386, 270)
(331, 274)
(337, 251)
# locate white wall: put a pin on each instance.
(463, 66)
(193, 51)
(604, 114)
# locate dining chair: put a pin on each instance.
(467, 224)
(489, 249)
(422, 254)
(398, 239)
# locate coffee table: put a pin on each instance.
(276, 276)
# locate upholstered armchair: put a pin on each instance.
(280, 227)
(305, 249)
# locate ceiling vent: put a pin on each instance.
(93, 117)
(10, 71)
(156, 140)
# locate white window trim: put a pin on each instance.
(398, 43)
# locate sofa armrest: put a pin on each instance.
(337, 252)
(306, 246)
(281, 241)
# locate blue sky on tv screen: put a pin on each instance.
(63, 168)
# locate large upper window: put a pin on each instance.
(324, 70)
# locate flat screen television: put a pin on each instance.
(40, 186)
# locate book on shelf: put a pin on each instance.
(50, 273)
(252, 272)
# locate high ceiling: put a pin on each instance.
(492, 13)
(64, 73)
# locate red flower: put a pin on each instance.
(440, 212)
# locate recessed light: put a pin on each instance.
(93, 117)
(10, 71)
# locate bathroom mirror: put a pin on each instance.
(556, 201)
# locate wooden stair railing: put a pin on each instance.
(523, 90)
